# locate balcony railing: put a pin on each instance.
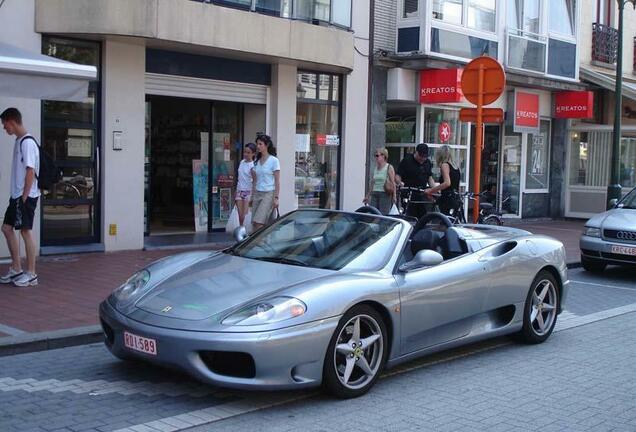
(604, 43)
(332, 12)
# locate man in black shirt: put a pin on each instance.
(415, 170)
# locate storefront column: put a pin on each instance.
(558, 167)
(122, 171)
(282, 127)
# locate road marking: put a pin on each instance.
(595, 317)
(604, 286)
(11, 331)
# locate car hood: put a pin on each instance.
(218, 283)
(617, 218)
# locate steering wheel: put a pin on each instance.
(428, 217)
(369, 209)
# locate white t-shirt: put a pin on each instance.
(245, 176)
(265, 174)
(28, 157)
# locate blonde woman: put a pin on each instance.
(448, 180)
(382, 186)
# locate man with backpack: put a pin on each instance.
(23, 200)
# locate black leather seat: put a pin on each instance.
(426, 239)
(452, 245)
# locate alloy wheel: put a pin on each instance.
(544, 307)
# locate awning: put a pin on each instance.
(607, 82)
(29, 75)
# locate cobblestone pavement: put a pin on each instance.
(581, 379)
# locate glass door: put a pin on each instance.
(225, 154)
(511, 173)
(70, 134)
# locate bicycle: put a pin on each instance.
(488, 215)
(405, 199)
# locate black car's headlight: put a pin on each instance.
(591, 231)
(267, 312)
(132, 286)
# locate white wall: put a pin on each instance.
(282, 129)
(254, 121)
(123, 171)
(355, 119)
(16, 28)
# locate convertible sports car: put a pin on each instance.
(333, 298)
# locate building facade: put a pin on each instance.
(420, 48)
(182, 86)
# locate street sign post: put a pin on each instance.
(483, 81)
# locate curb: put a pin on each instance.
(33, 342)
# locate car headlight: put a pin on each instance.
(132, 285)
(267, 312)
(592, 232)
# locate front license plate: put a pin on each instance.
(141, 344)
(623, 250)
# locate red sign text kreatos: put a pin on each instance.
(574, 104)
(440, 85)
(526, 112)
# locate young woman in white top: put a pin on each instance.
(244, 185)
(266, 184)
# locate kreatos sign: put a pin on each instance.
(526, 117)
(440, 85)
(574, 104)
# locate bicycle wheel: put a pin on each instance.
(492, 220)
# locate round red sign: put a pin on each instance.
(444, 132)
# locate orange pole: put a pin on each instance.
(478, 144)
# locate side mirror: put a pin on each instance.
(613, 202)
(424, 258)
(240, 234)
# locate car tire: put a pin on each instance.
(344, 374)
(540, 309)
(592, 266)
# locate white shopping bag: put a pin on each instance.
(233, 221)
(394, 210)
(247, 223)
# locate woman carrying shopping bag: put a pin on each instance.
(266, 182)
(382, 186)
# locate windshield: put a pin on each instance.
(629, 201)
(323, 239)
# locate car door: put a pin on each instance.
(438, 304)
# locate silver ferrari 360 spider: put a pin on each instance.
(333, 298)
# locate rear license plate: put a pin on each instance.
(141, 344)
(623, 250)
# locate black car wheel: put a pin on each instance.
(356, 353)
(592, 265)
(540, 310)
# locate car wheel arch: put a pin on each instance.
(557, 277)
(386, 317)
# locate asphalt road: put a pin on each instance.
(581, 379)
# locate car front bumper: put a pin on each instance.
(287, 358)
(600, 250)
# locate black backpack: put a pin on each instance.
(49, 173)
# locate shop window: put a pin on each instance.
(70, 135)
(627, 168)
(538, 158)
(457, 139)
(589, 165)
(317, 140)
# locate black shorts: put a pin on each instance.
(20, 214)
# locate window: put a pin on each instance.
(449, 11)
(538, 157)
(409, 8)
(627, 168)
(480, 14)
(458, 139)
(524, 15)
(562, 17)
(317, 140)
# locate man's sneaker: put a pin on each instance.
(26, 279)
(10, 276)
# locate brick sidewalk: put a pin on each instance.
(72, 286)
